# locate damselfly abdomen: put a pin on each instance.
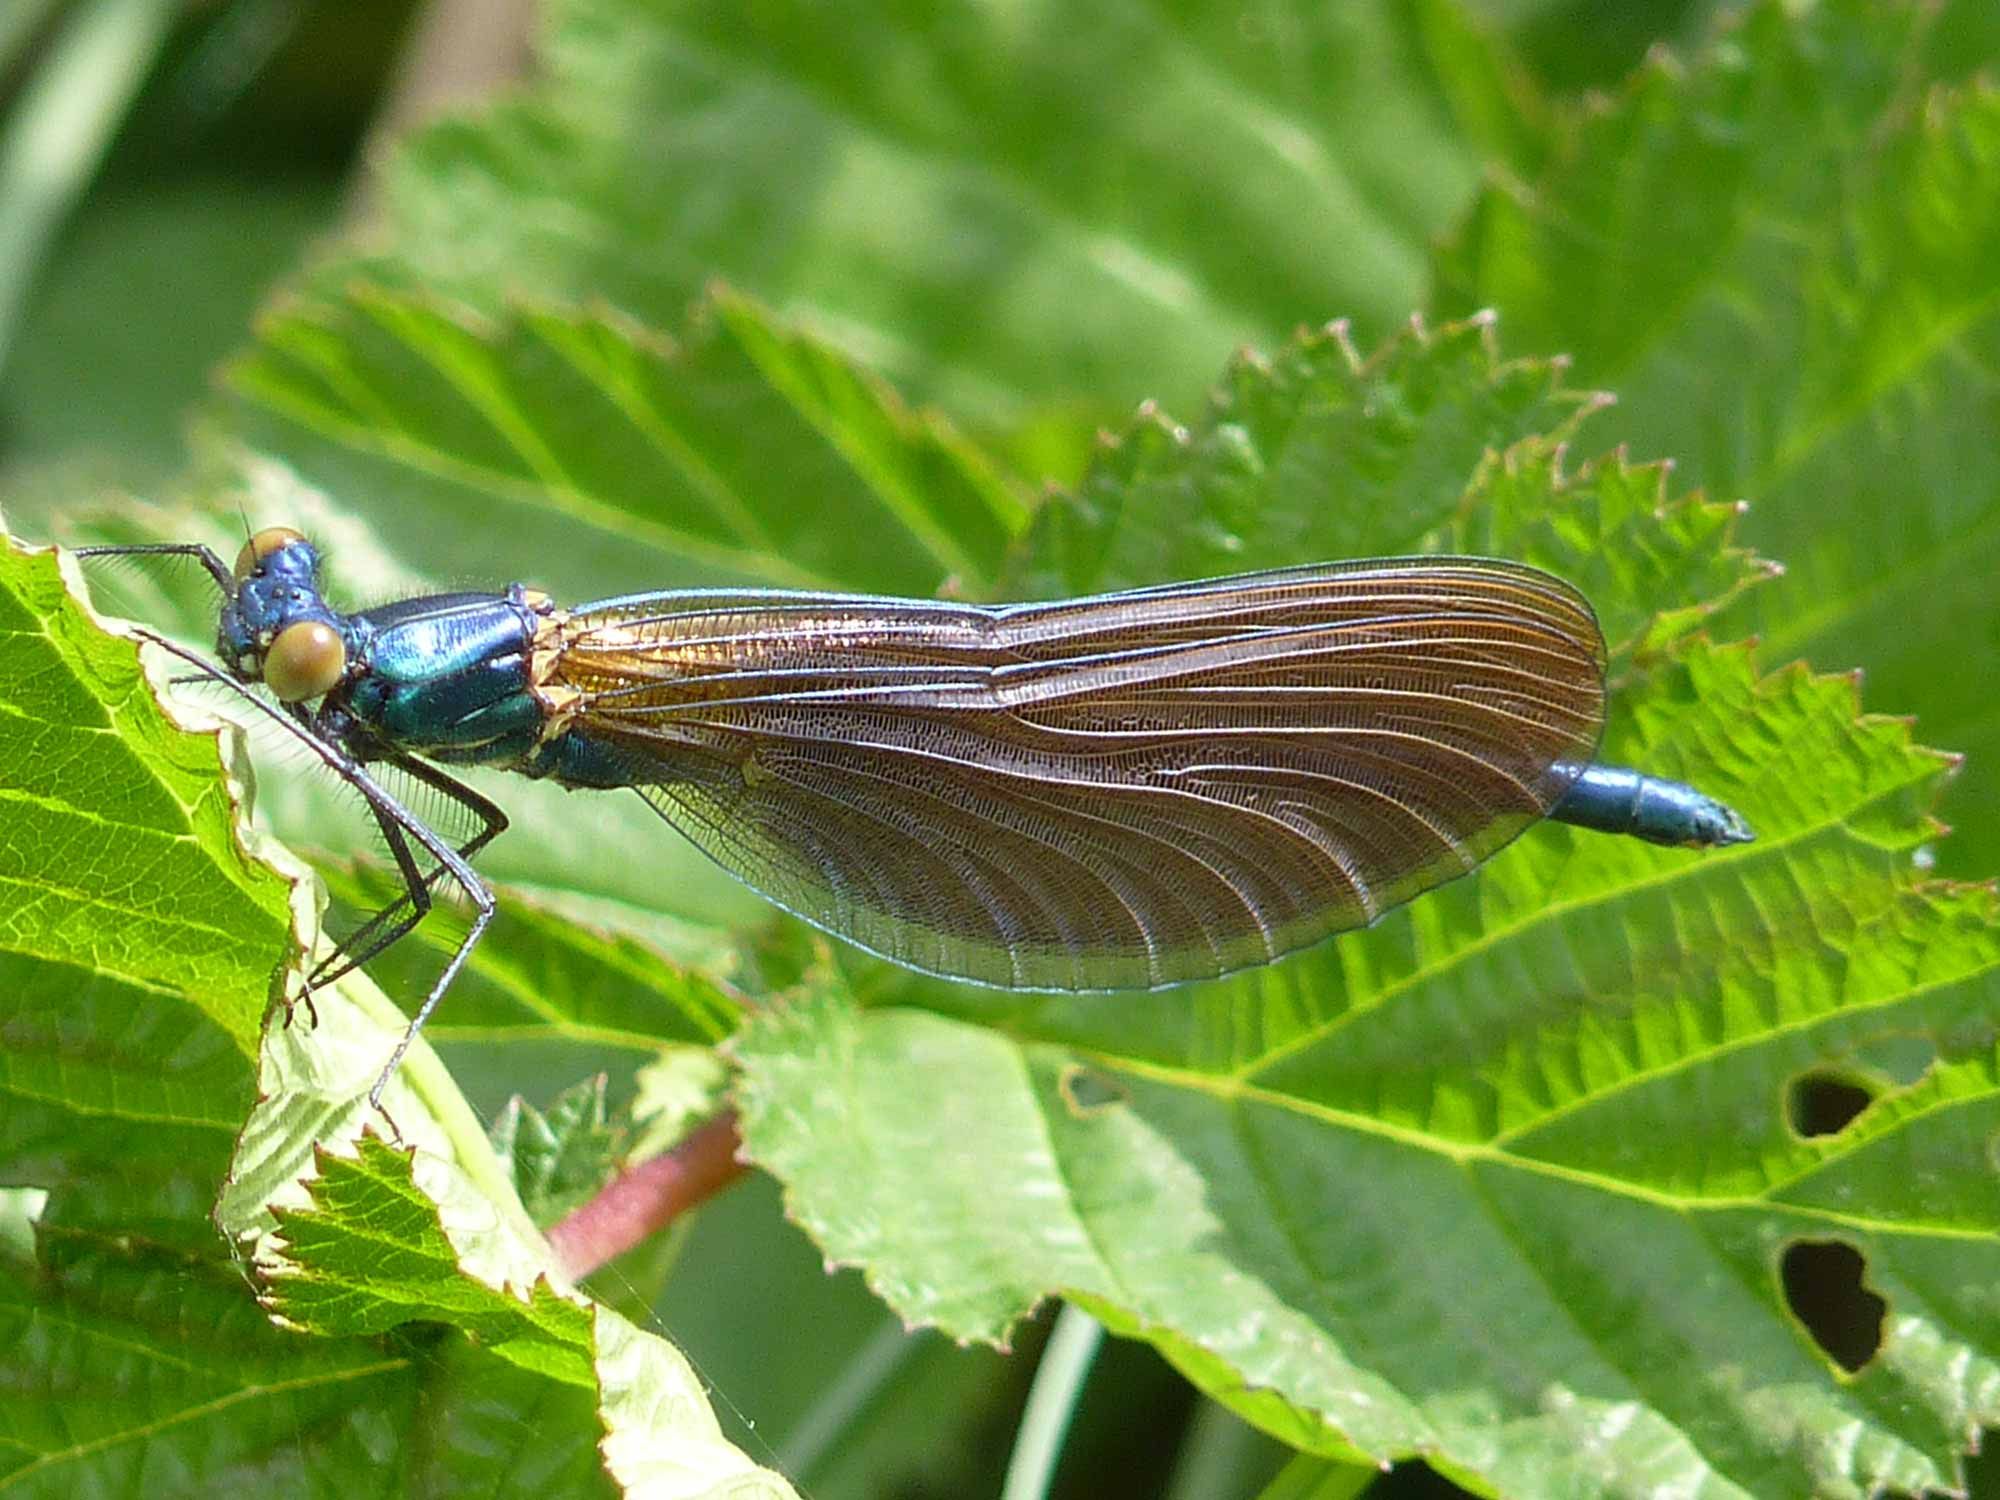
(1120, 792)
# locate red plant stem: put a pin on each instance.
(645, 1199)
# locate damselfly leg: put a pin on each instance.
(395, 921)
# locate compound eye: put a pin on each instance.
(306, 660)
(262, 545)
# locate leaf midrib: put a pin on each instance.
(1475, 1153)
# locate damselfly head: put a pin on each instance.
(275, 628)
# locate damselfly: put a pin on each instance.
(1121, 792)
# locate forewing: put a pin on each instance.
(1121, 792)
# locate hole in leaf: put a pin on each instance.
(1088, 1092)
(1825, 1103)
(1826, 1289)
(20, 1211)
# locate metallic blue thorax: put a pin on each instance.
(446, 677)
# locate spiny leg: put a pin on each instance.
(450, 862)
(224, 579)
(395, 921)
(369, 939)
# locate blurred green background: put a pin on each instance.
(165, 166)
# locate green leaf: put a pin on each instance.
(1782, 253)
(137, 938)
(352, 1237)
(140, 943)
(1509, 1179)
(996, 209)
(136, 1370)
(369, 1255)
(1312, 453)
(1655, 565)
(619, 459)
(559, 1157)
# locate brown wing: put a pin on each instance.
(1111, 793)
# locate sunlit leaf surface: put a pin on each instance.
(1781, 252)
(140, 945)
(615, 456)
(137, 940)
(997, 207)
